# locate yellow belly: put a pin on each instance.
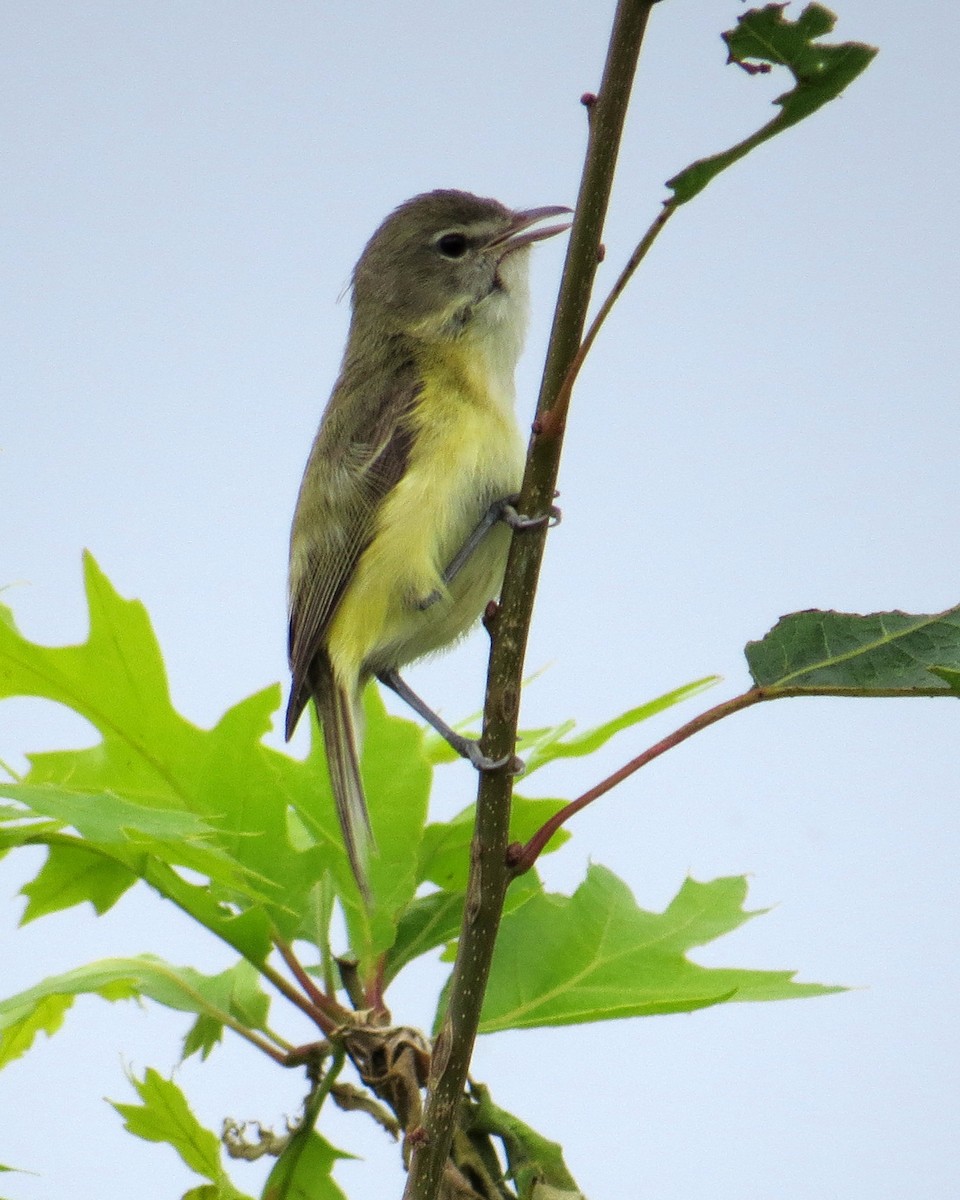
(467, 452)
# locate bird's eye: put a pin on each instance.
(452, 245)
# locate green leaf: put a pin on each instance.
(235, 991)
(165, 1116)
(231, 998)
(889, 653)
(224, 1190)
(434, 920)
(539, 747)
(597, 955)
(19, 1028)
(950, 675)
(534, 1163)
(303, 1170)
(158, 795)
(764, 38)
(73, 875)
(203, 1036)
(428, 921)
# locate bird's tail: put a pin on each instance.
(341, 719)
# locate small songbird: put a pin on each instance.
(401, 529)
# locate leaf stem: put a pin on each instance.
(311, 1111)
(325, 1011)
(286, 989)
(522, 858)
(634, 261)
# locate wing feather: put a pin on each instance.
(359, 454)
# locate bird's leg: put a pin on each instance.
(466, 747)
(499, 510)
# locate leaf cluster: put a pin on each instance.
(243, 839)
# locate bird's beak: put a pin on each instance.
(520, 234)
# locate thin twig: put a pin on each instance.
(331, 1011)
(634, 261)
(509, 629)
(522, 858)
(305, 1005)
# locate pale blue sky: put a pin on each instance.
(768, 423)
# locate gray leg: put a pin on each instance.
(465, 747)
(500, 510)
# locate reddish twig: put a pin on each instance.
(324, 1010)
(521, 858)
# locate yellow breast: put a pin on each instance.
(466, 452)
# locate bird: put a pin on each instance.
(403, 520)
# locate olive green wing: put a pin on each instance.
(360, 453)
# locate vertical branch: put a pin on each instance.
(509, 629)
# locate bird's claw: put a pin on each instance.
(518, 520)
(482, 762)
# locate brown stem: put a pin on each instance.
(634, 261)
(316, 1014)
(522, 858)
(489, 875)
(373, 993)
(278, 1056)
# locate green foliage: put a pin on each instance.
(158, 794)
(165, 1116)
(243, 838)
(538, 747)
(232, 998)
(303, 1171)
(763, 38)
(596, 955)
(890, 653)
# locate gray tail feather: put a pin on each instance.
(341, 736)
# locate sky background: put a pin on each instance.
(768, 423)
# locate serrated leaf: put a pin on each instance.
(543, 746)
(203, 1036)
(158, 794)
(890, 653)
(19, 1029)
(597, 955)
(164, 1116)
(229, 998)
(236, 991)
(821, 72)
(537, 747)
(303, 1170)
(71, 875)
